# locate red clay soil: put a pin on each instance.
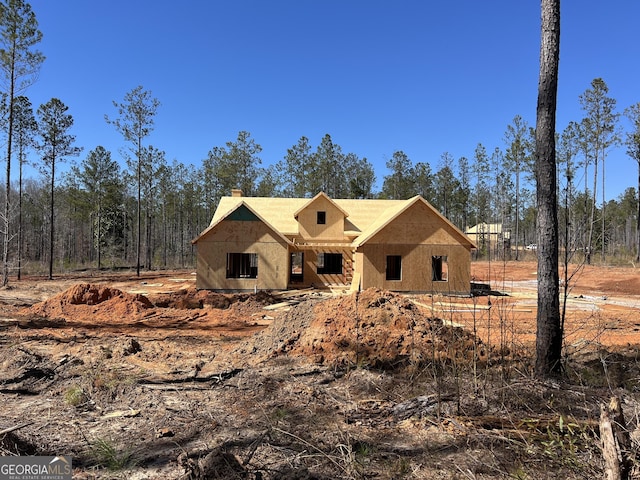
(154, 367)
(103, 309)
(374, 327)
(107, 302)
(602, 304)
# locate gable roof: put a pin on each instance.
(394, 212)
(364, 217)
(235, 213)
(314, 199)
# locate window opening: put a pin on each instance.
(322, 218)
(329, 263)
(440, 268)
(394, 267)
(242, 265)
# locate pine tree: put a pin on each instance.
(135, 121)
(20, 63)
(55, 144)
(549, 334)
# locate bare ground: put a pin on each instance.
(149, 378)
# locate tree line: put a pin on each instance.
(142, 210)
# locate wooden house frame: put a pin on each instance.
(257, 243)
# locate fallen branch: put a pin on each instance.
(215, 378)
(17, 427)
(313, 447)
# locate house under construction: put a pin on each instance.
(257, 243)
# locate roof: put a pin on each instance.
(366, 217)
(484, 228)
(393, 212)
(234, 208)
(320, 195)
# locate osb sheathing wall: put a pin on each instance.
(416, 235)
(417, 274)
(333, 229)
(242, 237)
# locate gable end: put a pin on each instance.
(243, 214)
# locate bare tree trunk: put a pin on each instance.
(565, 256)
(604, 236)
(592, 215)
(638, 219)
(139, 208)
(7, 200)
(20, 228)
(149, 245)
(51, 212)
(98, 237)
(517, 212)
(549, 333)
(586, 235)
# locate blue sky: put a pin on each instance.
(378, 76)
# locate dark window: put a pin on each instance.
(297, 265)
(322, 218)
(394, 267)
(242, 265)
(439, 268)
(330, 263)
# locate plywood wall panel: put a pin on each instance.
(417, 271)
(242, 237)
(308, 226)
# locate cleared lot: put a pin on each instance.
(148, 378)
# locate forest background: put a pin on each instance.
(113, 209)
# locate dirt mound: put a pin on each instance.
(188, 299)
(192, 298)
(72, 303)
(373, 327)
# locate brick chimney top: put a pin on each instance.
(236, 192)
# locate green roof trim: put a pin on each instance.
(243, 214)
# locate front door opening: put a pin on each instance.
(297, 267)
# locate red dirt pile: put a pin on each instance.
(108, 303)
(373, 327)
(187, 299)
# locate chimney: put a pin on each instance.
(236, 192)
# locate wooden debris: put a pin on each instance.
(276, 306)
(14, 428)
(448, 305)
(293, 293)
(121, 413)
(615, 441)
(419, 406)
(195, 377)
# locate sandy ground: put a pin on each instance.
(187, 384)
(602, 303)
